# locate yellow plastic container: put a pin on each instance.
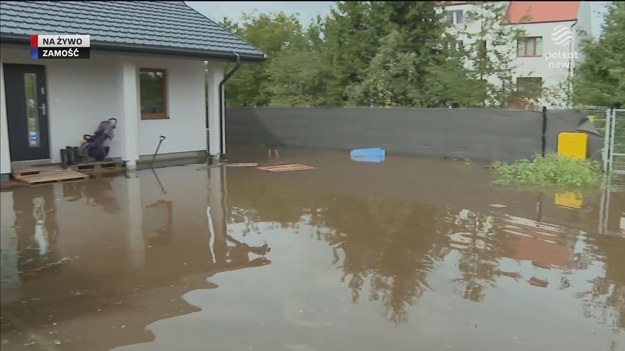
(569, 199)
(574, 144)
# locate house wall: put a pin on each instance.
(583, 28)
(5, 162)
(81, 93)
(554, 64)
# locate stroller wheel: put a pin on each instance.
(70, 155)
(64, 158)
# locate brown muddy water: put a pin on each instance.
(408, 254)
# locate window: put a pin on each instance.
(32, 109)
(529, 47)
(455, 17)
(456, 45)
(529, 86)
(153, 86)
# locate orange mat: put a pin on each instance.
(251, 164)
(286, 167)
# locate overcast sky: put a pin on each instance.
(306, 10)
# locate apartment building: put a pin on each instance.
(545, 58)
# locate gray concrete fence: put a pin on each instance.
(477, 134)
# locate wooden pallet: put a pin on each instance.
(289, 167)
(99, 166)
(26, 171)
(52, 176)
(10, 184)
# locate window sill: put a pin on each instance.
(147, 117)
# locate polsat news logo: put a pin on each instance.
(60, 46)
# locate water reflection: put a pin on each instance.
(123, 261)
(387, 245)
(96, 192)
(37, 231)
(158, 222)
(139, 254)
(388, 250)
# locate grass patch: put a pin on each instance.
(551, 170)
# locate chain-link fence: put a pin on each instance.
(617, 141)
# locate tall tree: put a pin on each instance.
(251, 86)
(390, 79)
(297, 76)
(350, 44)
(600, 79)
(415, 65)
(490, 51)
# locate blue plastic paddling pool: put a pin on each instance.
(375, 154)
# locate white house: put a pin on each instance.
(146, 68)
(548, 54)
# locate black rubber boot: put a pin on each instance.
(64, 158)
(77, 157)
(70, 155)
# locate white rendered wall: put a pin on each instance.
(81, 93)
(5, 156)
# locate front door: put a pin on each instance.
(27, 115)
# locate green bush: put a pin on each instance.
(550, 170)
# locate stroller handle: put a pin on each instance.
(114, 121)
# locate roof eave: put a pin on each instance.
(541, 22)
(23, 39)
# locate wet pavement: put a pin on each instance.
(405, 254)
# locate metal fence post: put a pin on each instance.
(606, 141)
(544, 138)
(612, 137)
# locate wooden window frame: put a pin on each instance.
(155, 115)
(459, 14)
(525, 41)
(453, 15)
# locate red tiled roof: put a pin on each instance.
(448, 3)
(542, 11)
(541, 253)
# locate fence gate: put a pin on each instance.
(613, 126)
(614, 141)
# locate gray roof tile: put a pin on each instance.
(162, 26)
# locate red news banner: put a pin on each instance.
(60, 46)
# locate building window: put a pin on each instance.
(456, 45)
(529, 47)
(529, 87)
(455, 17)
(153, 87)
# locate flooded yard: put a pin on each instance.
(406, 254)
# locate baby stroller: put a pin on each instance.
(93, 145)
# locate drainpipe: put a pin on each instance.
(222, 103)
